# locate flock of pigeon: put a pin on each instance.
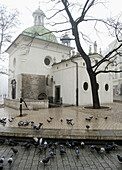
(49, 120)
(52, 146)
(68, 121)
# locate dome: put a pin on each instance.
(39, 11)
(40, 32)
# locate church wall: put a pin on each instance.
(65, 77)
(33, 61)
(33, 86)
(84, 95)
(105, 88)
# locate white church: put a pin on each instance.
(43, 71)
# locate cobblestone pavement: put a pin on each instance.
(78, 114)
(28, 159)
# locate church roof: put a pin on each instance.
(40, 32)
(38, 11)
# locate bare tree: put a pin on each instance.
(114, 27)
(8, 21)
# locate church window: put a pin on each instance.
(66, 65)
(57, 67)
(106, 87)
(47, 61)
(83, 64)
(85, 86)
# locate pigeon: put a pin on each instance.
(40, 124)
(69, 120)
(51, 118)
(10, 120)
(40, 148)
(56, 144)
(115, 146)
(102, 150)
(48, 121)
(89, 119)
(82, 144)
(108, 149)
(2, 141)
(26, 144)
(119, 158)
(92, 148)
(32, 123)
(87, 126)
(97, 149)
(68, 144)
(14, 150)
(45, 160)
(45, 145)
(51, 153)
(2, 159)
(10, 160)
(106, 118)
(40, 141)
(73, 143)
(11, 142)
(61, 120)
(62, 151)
(36, 140)
(34, 126)
(37, 127)
(50, 144)
(77, 151)
(72, 124)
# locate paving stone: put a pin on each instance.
(28, 159)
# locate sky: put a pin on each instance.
(27, 7)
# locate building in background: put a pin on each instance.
(117, 65)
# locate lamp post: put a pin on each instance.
(21, 106)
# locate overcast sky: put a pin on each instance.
(27, 7)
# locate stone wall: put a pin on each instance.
(32, 104)
(32, 86)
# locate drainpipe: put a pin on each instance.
(76, 80)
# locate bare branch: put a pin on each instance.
(108, 71)
(105, 58)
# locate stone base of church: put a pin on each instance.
(32, 104)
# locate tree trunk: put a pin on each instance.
(94, 88)
(92, 75)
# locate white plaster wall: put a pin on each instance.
(105, 96)
(30, 60)
(65, 77)
(85, 96)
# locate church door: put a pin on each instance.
(13, 82)
(57, 94)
